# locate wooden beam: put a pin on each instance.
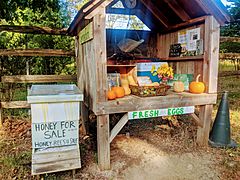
(155, 11)
(135, 103)
(96, 9)
(210, 75)
(203, 132)
(35, 52)
(38, 78)
(197, 120)
(173, 4)
(228, 73)
(229, 39)
(229, 56)
(122, 11)
(117, 128)
(189, 23)
(15, 104)
(103, 142)
(33, 30)
(212, 8)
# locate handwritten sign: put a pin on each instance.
(86, 34)
(54, 134)
(160, 112)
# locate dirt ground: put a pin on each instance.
(146, 149)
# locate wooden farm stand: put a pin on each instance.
(94, 43)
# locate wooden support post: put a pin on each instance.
(1, 118)
(84, 118)
(203, 132)
(210, 75)
(103, 142)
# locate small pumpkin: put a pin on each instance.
(111, 93)
(197, 87)
(119, 91)
(178, 86)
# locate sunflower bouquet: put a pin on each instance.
(164, 72)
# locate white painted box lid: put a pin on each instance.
(54, 93)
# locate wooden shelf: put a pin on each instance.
(121, 65)
(185, 58)
(135, 103)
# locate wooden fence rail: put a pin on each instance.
(38, 78)
(33, 30)
(224, 56)
(229, 39)
(15, 104)
(36, 52)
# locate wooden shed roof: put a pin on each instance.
(158, 15)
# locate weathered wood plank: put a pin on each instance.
(103, 142)
(188, 23)
(206, 118)
(93, 11)
(117, 128)
(15, 104)
(135, 103)
(33, 30)
(210, 75)
(224, 56)
(211, 54)
(36, 52)
(229, 39)
(178, 9)
(155, 11)
(38, 78)
(228, 73)
(55, 159)
(101, 55)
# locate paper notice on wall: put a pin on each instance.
(192, 36)
(182, 39)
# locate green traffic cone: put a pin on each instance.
(220, 135)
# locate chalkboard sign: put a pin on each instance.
(175, 50)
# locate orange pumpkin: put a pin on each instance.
(197, 87)
(119, 91)
(111, 94)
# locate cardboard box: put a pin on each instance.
(144, 69)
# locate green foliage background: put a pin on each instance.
(45, 13)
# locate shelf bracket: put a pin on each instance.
(197, 120)
(117, 128)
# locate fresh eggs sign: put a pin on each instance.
(160, 112)
(54, 134)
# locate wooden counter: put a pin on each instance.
(135, 103)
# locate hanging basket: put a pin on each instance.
(147, 91)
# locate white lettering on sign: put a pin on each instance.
(53, 134)
(160, 112)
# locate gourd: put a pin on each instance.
(111, 93)
(125, 84)
(197, 87)
(178, 86)
(131, 81)
(119, 91)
